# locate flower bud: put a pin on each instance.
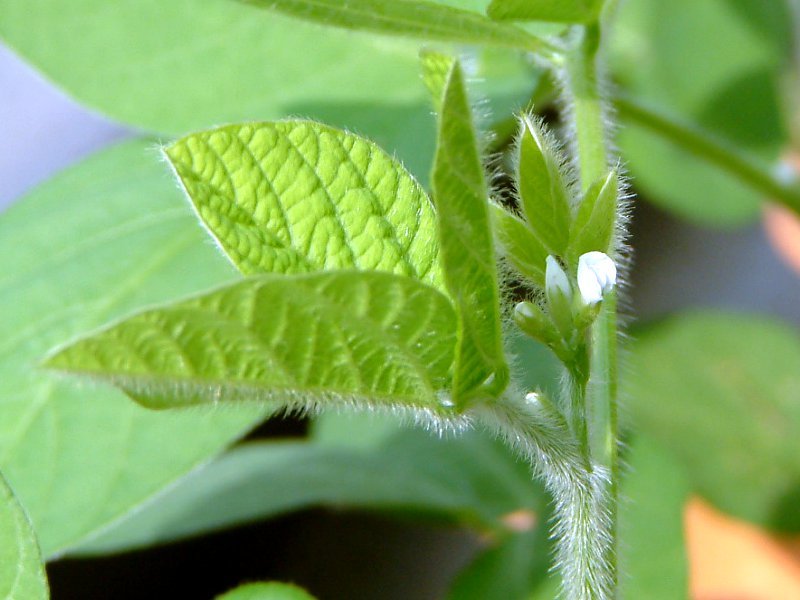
(597, 275)
(559, 296)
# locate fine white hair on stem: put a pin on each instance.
(538, 432)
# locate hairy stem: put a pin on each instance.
(540, 434)
(748, 169)
(588, 113)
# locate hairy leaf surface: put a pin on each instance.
(541, 187)
(520, 246)
(339, 336)
(415, 18)
(297, 196)
(461, 197)
(22, 574)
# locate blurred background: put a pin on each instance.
(702, 241)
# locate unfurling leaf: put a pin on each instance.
(593, 227)
(520, 246)
(461, 198)
(542, 191)
(297, 196)
(340, 336)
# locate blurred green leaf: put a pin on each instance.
(561, 11)
(461, 198)
(335, 338)
(298, 196)
(104, 237)
(266, 591)
(509, 569)
(727, 83)
(22, 573)
(653, 558)
(425, 20)
(187, 65)
(719, 391)
(471, 479)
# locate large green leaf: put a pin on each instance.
(186, 65)
(96, 242)
(561, 11)
(418, 18)
(720, 393)
(472, 480)
(340, 337)
(22, 574)
(652, 547)
(727, 83)
(297, 196)
(266, 591)
(461, 197)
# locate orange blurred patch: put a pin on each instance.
(733, 560)
(783, 230)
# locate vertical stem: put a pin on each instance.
(590, 134)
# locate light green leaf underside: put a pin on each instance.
(105, 237)
(22, 574)
(297, 196)
(266, 591)
(421, 19)
(472, 480)
(560, 11)
(719, 392)
(338, 336)
(461, 198)
(653, 548)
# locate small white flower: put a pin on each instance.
(556, 280)
(597, 275)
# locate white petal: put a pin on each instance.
(597, 274)
(556, 279)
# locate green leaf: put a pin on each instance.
(519, 245)
(341, 337)
(414, 18)
(461, 197)
(297, 196)
(593, 227)
(560, 11)
(435, 69)
(22, 573)
(718, 391)
(727, 83)
(99, 240)
(266, 591)
(471, 480)
(509, 569)
(652, 546)
(542, 191)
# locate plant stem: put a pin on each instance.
(705, 145)
(583, 86)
